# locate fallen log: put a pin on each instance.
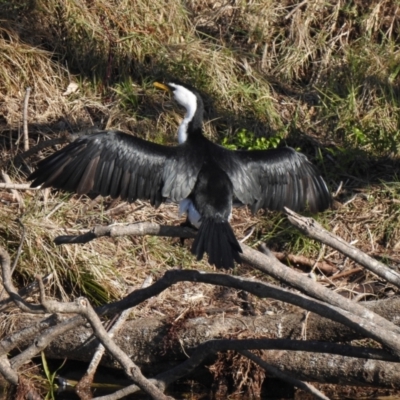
(153, 343)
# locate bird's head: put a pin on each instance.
(185, 95)
(189, 98)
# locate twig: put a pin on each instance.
(25, 292)
(10, 288)
(314, 230)
(86, 381)
(16, 195)
(21, 242)
(82, 307)
(25, 119)
(347, 273)
(289, 14)
(17, 186)
(295, 259)
(283, 376)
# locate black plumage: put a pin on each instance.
(211, 176)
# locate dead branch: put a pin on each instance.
(348, 370)
(299, 260)
(139, 229)
(25, 292)
(17, 186)
(5, 369)
(283, 376)
(211, 347)
(82, 307)
(195, 276)
(25, 118)
(338, 309)
(270, 265)
(26, 334)
(10, 288)
(314, 230)
(261, 289)
(85, 382)
(16, 195)
(145, 349)
(44, 340)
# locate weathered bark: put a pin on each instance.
(331, 368)
(144, 339)
(148, 343)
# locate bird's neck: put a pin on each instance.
(191, 125)
(183, 130)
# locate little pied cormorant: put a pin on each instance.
(202, 175)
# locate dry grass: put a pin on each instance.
(322, 75)
(272, 68)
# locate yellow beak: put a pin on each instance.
(161, 86)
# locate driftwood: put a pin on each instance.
(287, 338)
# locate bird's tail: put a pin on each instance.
(216, 238)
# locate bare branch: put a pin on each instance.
(270, 265)
(25, 292)
(25, 118)
(363, 320)
(45, 339)
(16, 195)
(17, 186)
(295, 259)
(10, 288)
(359, 323)
(314, 230)
(29, 333)
(204, 350)
(85, 382)
(139, 229)
(5, 369)
(335, 368)
(82, 307)
(283, 376)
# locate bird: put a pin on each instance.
(204, 177)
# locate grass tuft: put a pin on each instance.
(321, 77)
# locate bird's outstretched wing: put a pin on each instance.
(120, 165)
(277, 178)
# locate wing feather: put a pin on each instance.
(117, 164)
(274, 179)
